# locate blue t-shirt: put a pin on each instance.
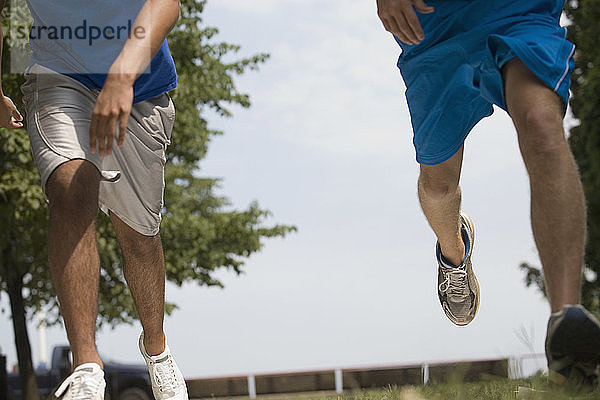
(82, 39)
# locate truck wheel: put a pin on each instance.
(134, 393)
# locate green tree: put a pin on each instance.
(22, 244)
(22, 238)
(584, 139)
(201, 231)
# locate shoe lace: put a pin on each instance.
(166, 376)
(455, 283)
(82, 385)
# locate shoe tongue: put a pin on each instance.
(456, 298)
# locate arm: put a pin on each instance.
(9, 115)
(400, 19)
(153, 23)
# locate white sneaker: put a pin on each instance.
(85, 383)
(167, 380)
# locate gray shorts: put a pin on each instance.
(59, 111)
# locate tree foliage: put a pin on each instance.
(201, 231)
(584, 138)
(22, 244)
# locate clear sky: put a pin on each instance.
(327, 146)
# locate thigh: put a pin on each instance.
(58, 119)
(444, 101)
(529, 31)
(137, 198)
(442, 77)
(527, 96)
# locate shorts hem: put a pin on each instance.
(435, 159)
(441, 157)
(142, 229)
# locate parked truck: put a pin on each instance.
(123, 381)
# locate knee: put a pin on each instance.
(138, 247)
(541, 134)
(436, 189)
(72, 191)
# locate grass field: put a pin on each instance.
(497, 389)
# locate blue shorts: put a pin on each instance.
(453, 77)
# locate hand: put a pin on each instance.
(113, 107)
(399, 18)
(9, 115)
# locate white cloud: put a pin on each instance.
(334, 85)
